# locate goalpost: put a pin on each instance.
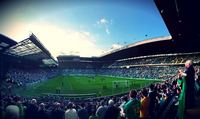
(120, 84)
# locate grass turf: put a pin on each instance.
(101, 85)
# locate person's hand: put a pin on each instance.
(180, 71)
(179, 75)
(123, 114)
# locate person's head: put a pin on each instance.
(42, 106)
(34, 101)
(125, 98)
(152, 86)
(144, 92)
(57, 105)
(70, 105)
(16, 98)
(102, 103)
(188, 63)
(132, 94)
(110, 102)
(83, 105)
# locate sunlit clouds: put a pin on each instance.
(105, 24)
(60, 41)
(116, 46)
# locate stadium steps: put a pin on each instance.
(194, 113)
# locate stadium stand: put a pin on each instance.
(160, 66)
(31, 76)
(28, 50)
(166, 92)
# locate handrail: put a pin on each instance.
(72, 95)
(181, 106)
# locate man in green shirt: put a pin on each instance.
(132, 107)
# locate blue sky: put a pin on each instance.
(85, 28)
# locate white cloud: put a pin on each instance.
(60, 41)
(105, 23)
(116, 46)
(107, 31)
(113, 47)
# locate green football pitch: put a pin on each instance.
(84, 85)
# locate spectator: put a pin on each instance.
(190, 83)
(93, 116)
(70, 112)
(112, 112)
(124, 100)
(57, 112)
(132, 107)
(144, 111)
(153, 101)
(82, 112)
(42, 113)
(32, 109)
(12, 112)
(100, 113)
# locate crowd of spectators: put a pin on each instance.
(122, 68)
(160, 60)
(149, 72)
(77, 64)
(148, 103)
(79, 71)
(29, 76)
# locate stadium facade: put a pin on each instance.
(20, 54)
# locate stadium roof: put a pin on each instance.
(31, 49)
(140, 43)
(182, 19)
(5, 43)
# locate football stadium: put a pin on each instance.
(152, 78)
